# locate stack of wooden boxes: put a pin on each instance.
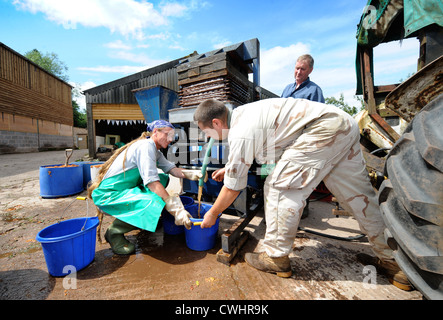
(222, 76)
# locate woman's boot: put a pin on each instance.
(115, 236)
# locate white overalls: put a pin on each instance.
(310, 142)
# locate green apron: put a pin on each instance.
(125, 197)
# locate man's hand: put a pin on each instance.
(218, 175)
(209, 219)
(223, 201)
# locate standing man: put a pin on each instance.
(309, 142)
(303, 88)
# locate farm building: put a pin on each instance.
(114, 114)
(112, 110)
(36, 106)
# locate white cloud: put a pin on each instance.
(395, 65)
(394, 48)
(349, 97)
(79, 88)
(173, 9)
(140, 58)
(113, 69)
(334, 77)
(159, 36)
(127, 17)
(118, 44)
(121, 51)
(177, 47)
(87, 85)
(395, 60)
(222, 44)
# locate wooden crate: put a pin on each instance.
(223, 76)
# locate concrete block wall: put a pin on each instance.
(17, 142)
(24, 134)
(11, 142)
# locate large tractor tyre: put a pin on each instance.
(411, 200)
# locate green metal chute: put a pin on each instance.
(391, 20)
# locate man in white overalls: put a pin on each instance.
(310, 142)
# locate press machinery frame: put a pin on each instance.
(250, 199)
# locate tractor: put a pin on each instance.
(402, 132)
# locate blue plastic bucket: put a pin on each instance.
(199, 239)
(57, 181)
(169, 225)
(65, 244)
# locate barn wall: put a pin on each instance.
(28, 90)
(35, 106)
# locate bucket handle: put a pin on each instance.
(87, 210)
(200, 222)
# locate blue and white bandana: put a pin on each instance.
(158, 124)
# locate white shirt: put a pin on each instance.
(143, 155)
(262, 130)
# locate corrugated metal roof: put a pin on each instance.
(119, 91)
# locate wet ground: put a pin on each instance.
(163, 266)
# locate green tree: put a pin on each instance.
(50, 62)
(340, 103)
(80, 119)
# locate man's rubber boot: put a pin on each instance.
(280, 266)
(115, 236)
(390, 269)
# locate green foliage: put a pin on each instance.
(80, 120)
(50, 62)
(340, 103)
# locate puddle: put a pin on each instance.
(147, 241)
(6, 255)
(9, 216)
(31, 249)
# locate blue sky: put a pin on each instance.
(104, 40)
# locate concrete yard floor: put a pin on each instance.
(163, 266)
